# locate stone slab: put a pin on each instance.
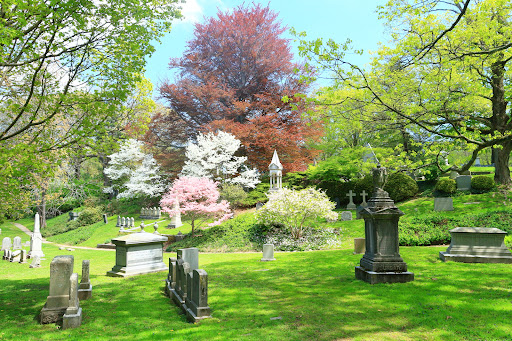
(191, 256)
(268, 253)
(72, 320)
(463, 182)
(443, 204)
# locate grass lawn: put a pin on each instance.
(314, 295)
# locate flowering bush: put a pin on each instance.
(197, 198)
(292, 209)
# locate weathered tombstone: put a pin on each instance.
(72, 318)
(191, 256)
(364, 203)
(105, 218)
(381, 262)
(5, 255)
(197, 296)
(8, 254)
(16, 245)
(138, 253)
(73, 216)
(179, 236)
(477, 245)
(359, 246)
(6, 243)
(443, 204)
(337, 201)
(36, 240)
(463, 182)
(36, 262)
(259, 205)
(351, 205)
(15, 256)
(170, 281)
(346, 215)
(123, 222)
(23, 257)
(268, 252)
(179, 293)
(132, 222)
(118, 221)
(85, 287)
(477, 161)
(57, 302)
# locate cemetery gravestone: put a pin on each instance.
(23, 257)
(477, 245)
(6, 243)
(85, 287)
(351, 205)
(258, 206)
(118, 221)
(443, 204)
(268, 253)
(138, 253)
(36, 262)
(73, 216)
(191, 256)
(17, 243)
(346, 215)
(36, 240)
(72, 318)
(15, 256)
(57, 302)
(364, 203)
(337, 201)
(359, 246)
(105, 218)
(381, 262)
(463, 182)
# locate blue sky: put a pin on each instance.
(336, 19)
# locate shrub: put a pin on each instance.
(296, 180)
(482, 183)
(400, 186)
(445, 187)
(259, 194)
(292, 208)
(234, 194)
(89, 215)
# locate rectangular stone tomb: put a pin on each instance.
(188, 289)
(477, 245)
(138, 253)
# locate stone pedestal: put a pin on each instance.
(138, 253)
(57, 302)
(268, 253)
(477, 245)
(381, 262)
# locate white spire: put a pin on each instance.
(275, 161)
(36, 224)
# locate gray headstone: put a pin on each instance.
(359, 246)
(363, 195)
(72, 318)
(6, 243)
(16, 245)
(118, 221)
(57, 302)
(463, 182)
(259, 205)
(105, 218)
(23, 257)
(351, 205)
(443, 204)
(36, 262)
(123, 222)
(197, 303)
(477, 161)
(191, 256)
(85, 287)
(346, 215)
(453, 175)
(268, 252)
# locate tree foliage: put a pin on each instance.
(237, 69)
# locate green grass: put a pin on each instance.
(314, 293)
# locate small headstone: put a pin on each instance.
(16, 256)
(191, 256)
(5, 255)
(259, 205)
(36, 262)
(85, 287)
(62, 248)
(73, 216)
(6, 243)
(359, 246)
(132, 222)
(72, 318)
(346, 215)
(105, 218)
(463, 182)
(196, 306)
(443, 204)
(8, 254)
(23, 257)
(118, 221)
(268, 252)
(477, 161)
(16, 245)
(351, 205)
(57, 302)
(70, 249)
(123, 222)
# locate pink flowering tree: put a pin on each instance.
(198, 199)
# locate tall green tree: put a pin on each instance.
(456, 89)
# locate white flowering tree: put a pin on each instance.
(293, 209)
(213, 157)
(133, 173)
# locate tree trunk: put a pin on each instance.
(501, 169)
(42, 210)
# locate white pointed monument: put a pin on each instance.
(36, 240)
(276, 173)
(176, 218)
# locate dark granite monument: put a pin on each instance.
(381, 262)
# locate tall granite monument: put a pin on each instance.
(381, 262)
(36, 240)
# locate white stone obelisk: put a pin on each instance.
(36, 240)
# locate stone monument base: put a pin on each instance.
(84, 294)
(125, 271)
(51, 315)
(444, 256)
(374, 277)
(196, 314)
(72, 320)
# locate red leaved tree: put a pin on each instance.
(236, 70)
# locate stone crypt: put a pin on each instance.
(381, 262)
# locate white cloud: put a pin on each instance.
(191, 10)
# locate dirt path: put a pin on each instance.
(28, 232)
